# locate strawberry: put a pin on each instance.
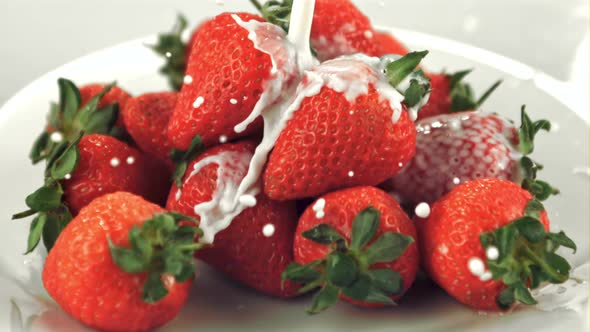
(356, 244)
(122, 264)
(258, 244)
(387, 44)
(89, 167)
(230, 73)
(487, 243)
(459, 147)
(339, 28)
(449, 95)
(175, 52)
(146, 118)
(115, 95)
(348, 128)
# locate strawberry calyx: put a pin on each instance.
(462, 95)
(347, 269)
(181, 159)
(275, 12)
(527, 256)
(68, 118)
(527, 253)
(406, 69)
(162, 246)
(529, 168)
(172, 48)
(52, 215)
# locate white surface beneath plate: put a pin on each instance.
(218, 304)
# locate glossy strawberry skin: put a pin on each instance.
(340, 210)
(116, 95)
(455, 148)
(449, 237)
(340, 28)
(224, 65)
(387, 44)
(95, 176)
(146, 118)
(323, 142)
(241, 251)
(439, 101)
(82, 278)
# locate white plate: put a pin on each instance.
(216, 303)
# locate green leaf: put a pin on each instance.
(171, 47)
(505, 299)
(387, 281)
(322, 234)
(399, 69)
(182, 158)
(45, 198)
(140, 244)
(388, 247)
(56, 221)
(364, 227)
(301, 273)
(558, 263)
(128, 260)
(534, 208)
(414, 94)
(69, 100)
(38, 151)
(84, 114)
(154, 289)
(67, 162)
(359, 290)
(487, 93)
(23, 214)
(562, 240)
(522, 294)
(35, 232)
(378, 296)
(457, 77)
(341, 269)
(531, 228)
(325, 298)
(103, 120)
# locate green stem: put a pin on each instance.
(23, 214)
(194, 246)
(546, 268)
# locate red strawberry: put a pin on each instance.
(349, 129)
(230, 74)
(487, 243)
(450, 95)
(107, 165)
(356, 244)
(243, 250)
(83, 170)
(146, 119)
(171, 47)
(95, 279)
(387, 44)
(459, 147)
(339, 28)
(115, 95)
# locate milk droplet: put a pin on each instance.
(222, 139)
(168, 54)
(350, 173)
(456, 180)
(56, 137)
(368, 34)
(492, 253)
(268, 230)
(130, 160)
(198, 102)
(188, 79)
(233, 101)
(68, 176)
(475, 266)
(115, 162)
(422, 210)
(320, 214)
(487, 275)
